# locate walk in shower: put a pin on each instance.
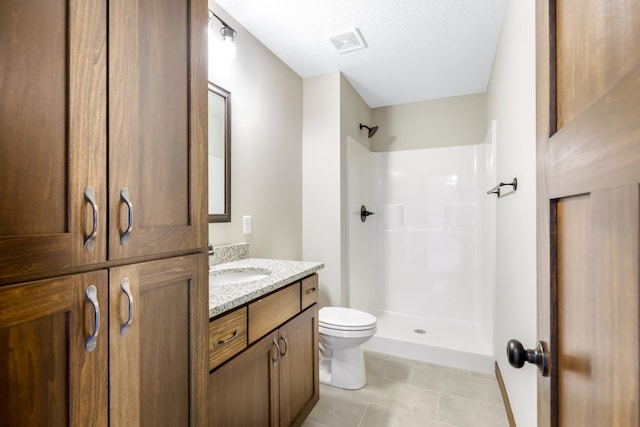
(424, 263)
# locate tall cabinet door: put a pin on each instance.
(52, 134)
(53, 352)
(157, 126)
(158, 342)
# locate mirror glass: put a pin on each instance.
(219, 154)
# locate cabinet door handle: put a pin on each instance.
(231, 338)
(125, 285)
(124, 196)
(274, 361)
(286, 347)
(90, 240)
(309, 291)
(92, 297)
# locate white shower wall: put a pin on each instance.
(425, 260)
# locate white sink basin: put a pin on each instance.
(235, 277)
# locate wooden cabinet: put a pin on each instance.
(299, 382)
(49, 375)
(53, 137)
(275, 381)
(98, 165)
(157, 102)
(156, 355)
(245, 391)
(103, 168)
(51, 372)
(227, 337)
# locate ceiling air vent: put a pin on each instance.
(348, 41)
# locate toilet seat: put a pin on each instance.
(346, 319)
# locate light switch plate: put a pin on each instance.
(246, 224)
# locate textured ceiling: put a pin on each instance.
(417, 49)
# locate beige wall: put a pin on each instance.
(266, 147)
(461, 120)
(321, 200)
(333, 111)
(511, 101)
(353, 111)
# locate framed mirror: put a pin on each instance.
(219, 154)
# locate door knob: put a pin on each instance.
(539, 356)
(364, 213)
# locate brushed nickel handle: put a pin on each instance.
(309, 291)
(274, 361)
(231, 338)
(286, 347)
(124, 196)
(92, 297)
(125, 285)
(90, 240)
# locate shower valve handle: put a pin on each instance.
(364, 213)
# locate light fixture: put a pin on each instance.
(228, 36)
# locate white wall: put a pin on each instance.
(266, 147)
(446, 122)
(511, 101)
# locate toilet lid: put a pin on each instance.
(346, 318)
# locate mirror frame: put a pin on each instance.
(226, 95)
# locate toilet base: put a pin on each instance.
(343, 368)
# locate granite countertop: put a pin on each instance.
(223, 298)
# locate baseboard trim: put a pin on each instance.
(505, 397)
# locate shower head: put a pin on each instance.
(372, 130)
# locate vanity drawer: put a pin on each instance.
(268, 313)
(309, 291)
(227, 336)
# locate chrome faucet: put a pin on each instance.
(210, 249)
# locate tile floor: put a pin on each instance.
(407, 393)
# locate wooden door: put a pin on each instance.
(158, 361)
(244, 392)
(588, 221)
(157, 126)
(52, 134)
(48, 374)
(299, 375)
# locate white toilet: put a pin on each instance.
(342, 331)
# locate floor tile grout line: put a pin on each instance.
(456, 396)
(364, 414)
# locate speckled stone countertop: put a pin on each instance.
(223, 298)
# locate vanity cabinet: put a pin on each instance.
(275, 381)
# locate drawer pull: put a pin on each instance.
(231, 338)
(92, 297)
(286, 347)
(309, 291)
(125, 285)
(278, 353)
(90, 241)
(124, 196)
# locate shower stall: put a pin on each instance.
(424, 264)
